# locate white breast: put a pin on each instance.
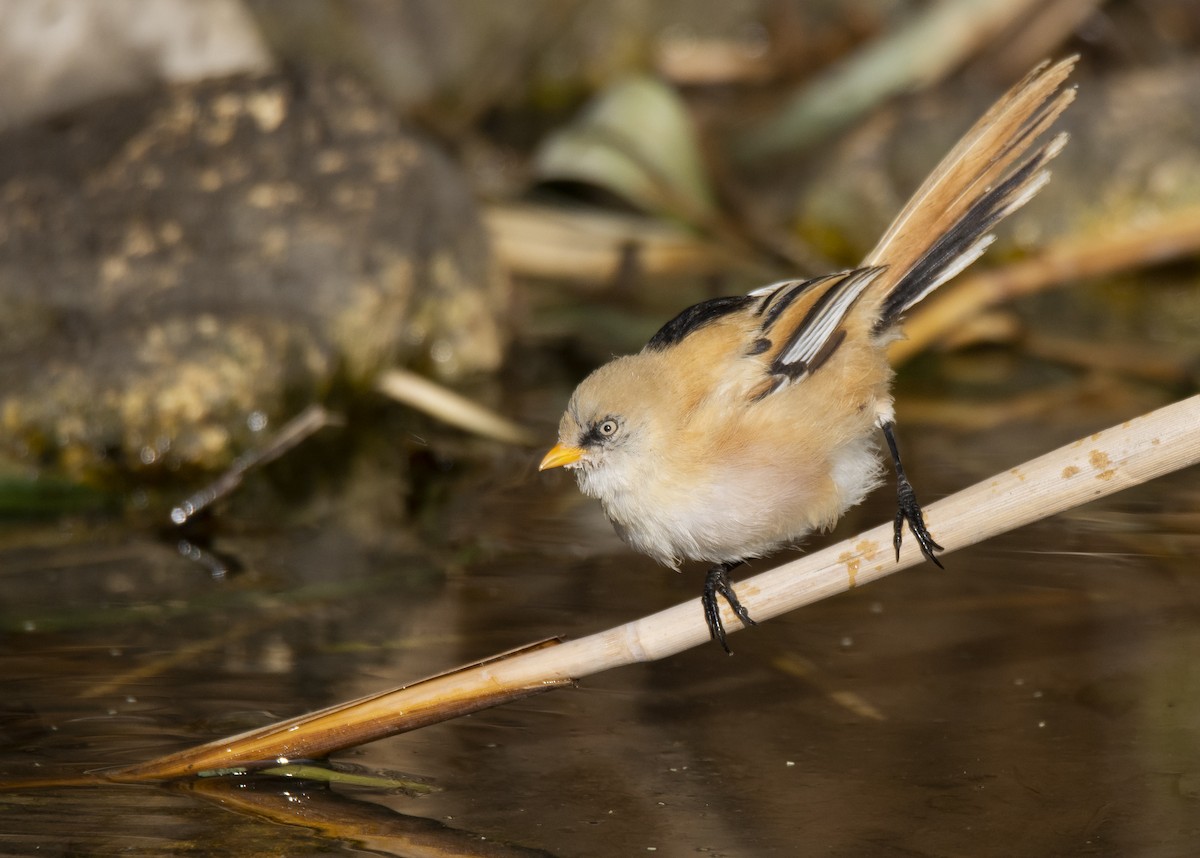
(731, 513)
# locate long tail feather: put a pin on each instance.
(945, 226)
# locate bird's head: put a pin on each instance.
(611, 432)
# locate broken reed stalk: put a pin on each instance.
(1136, 451)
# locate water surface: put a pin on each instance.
(1041, 696)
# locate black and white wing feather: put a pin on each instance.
(803, 322)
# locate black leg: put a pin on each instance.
(909, 509)
(716, 583)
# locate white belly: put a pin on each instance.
(736, 512)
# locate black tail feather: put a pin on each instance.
(972, 227)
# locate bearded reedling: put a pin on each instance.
(747, 422)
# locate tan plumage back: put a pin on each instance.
(945, 225)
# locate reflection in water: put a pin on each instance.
(1040, 696)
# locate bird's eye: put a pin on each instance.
(608, 427)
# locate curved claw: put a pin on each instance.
(712, 616)
(716, 583)
(910, 511)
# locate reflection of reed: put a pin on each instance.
(363, 823)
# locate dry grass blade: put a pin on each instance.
(941, 37)
(450, 407)
(309, 421)
(1136, 451)
(587, 245)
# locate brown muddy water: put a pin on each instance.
(1039, 697)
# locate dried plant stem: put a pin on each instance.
(929, 45)
(1136, 451)
(309, 421)
(450, 407)
(558, 243)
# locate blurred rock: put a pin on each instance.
(176, 266)
(455, 61)
(59, 54)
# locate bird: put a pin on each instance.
(747, 422)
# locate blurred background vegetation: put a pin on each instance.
(314, 279)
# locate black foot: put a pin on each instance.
(909, 510)
(718, 582)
